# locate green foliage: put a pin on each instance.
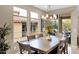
(49, 26)
(55, 25)
(3, 32)
(4, 47)
(66, 24)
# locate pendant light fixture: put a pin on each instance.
(47, 16)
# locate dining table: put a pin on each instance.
(43, 44)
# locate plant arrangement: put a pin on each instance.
(49, 27)
(4, 31)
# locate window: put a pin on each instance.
(53, 24)
(42, 25)
(24, 29)
(34, 15)
(34, 21)
(66, 24)
(34, 26)
(19, 11)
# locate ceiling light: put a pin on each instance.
(54, 15)
(43, 16)
(47, 15)
(51, 17)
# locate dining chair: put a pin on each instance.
(60, 48)
(24, 48)
(63, 47)
(30, 37)
(40, 35)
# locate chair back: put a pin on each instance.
(24, 47)
(30, 37)
(40, 35)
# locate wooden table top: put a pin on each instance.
(43, 45)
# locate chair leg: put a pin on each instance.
(66, 49)
(21, 51)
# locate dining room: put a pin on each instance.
(38, 29)
(43, 32)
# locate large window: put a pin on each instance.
(19, 11)
(66, 24)
(49, 25)
(34, 15)
(34, 21)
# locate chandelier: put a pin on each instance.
(48, 16)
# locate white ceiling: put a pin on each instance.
(52, 7)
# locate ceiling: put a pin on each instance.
(52, 7)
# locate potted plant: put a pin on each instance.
(49, 27)
(4, 31)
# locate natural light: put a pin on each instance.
(34, 15)
(22, 12)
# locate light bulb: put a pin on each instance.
(43, 16)
(54, 15)
(51, 17)
(47, 15)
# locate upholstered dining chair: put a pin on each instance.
(30, 37)
(24, 48)
(63, 47)
(40, 35)
(60, 48)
